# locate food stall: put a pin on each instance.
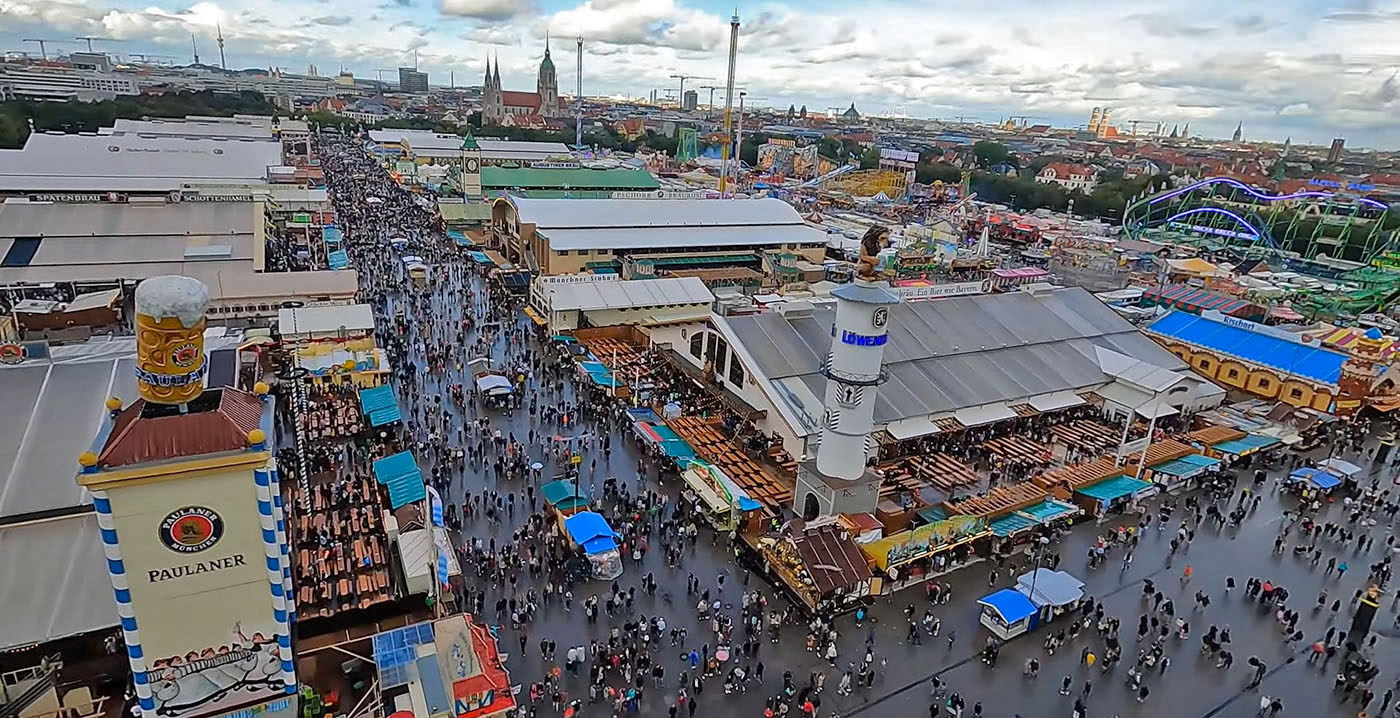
(821, 566)
(722, 501)
(599, 543)
(1054, 593)
(1007, 613)
(909, 557)
(565, 497)
(1311, 483)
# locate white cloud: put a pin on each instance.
(1281, 69)
(485, 9)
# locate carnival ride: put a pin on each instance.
(870, 183)
(1224, 213)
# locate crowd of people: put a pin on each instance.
(650, 649)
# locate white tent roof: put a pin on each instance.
(321, 320)
(629, 294)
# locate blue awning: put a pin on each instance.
(1246, 446)
(1010, 604)
(479, 257)
(1031, 516)
(460, 238)
(338, 259)
(380, 405)
(933, 514)
(1114, 488)
(400, 473)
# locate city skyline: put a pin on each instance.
(1314, 73)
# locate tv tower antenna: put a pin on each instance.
(729, 101)
(578, 98)
(194, 46)
(220, 36)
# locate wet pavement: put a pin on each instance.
(1191, 686)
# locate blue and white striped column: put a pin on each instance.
(279, 513)
(273, 558)
(116, 570)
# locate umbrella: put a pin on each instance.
(721, 654)
(537, 466)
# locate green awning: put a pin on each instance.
(700, 259)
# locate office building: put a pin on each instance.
(411, 80)
(690, 100)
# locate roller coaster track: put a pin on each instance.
(1172, 206)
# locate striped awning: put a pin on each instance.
(1195, 300)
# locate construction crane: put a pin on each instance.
(43, 46)
(681, 92)
(90, 38)
(150, 59)
(1134, 124)
(712, 89)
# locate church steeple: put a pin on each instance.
(547, 84)
(487, 82)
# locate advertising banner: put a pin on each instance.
(195, 561)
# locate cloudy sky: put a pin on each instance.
(1309, 69)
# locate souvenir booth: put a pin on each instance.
(591, 532)
(1007, 613)
(1348, 472)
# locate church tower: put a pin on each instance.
(492, 106)
(547, 85)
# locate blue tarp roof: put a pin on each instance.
(331, 234)
(460, 238)
(400, 473)
(1251, 442)
(380, 405)
(1312, 362)
(1114, 488)
(1317, 477)
(1010, 524)
(479, 257)
(1010, 604)
(591, 531)
(1052, 588)
(338, 259)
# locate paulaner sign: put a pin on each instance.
(196, 568)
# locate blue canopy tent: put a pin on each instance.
(1317, 477)
(591, 531)
(479, 257)
(338, 259)
(380, 405)
(400, 473)
(461, 239)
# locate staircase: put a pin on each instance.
(37, 681)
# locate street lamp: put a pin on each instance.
(1042, 542)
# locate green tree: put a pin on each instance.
(990, 153)
(870, 159)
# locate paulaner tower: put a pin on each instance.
(186, 497)
(838, 481)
